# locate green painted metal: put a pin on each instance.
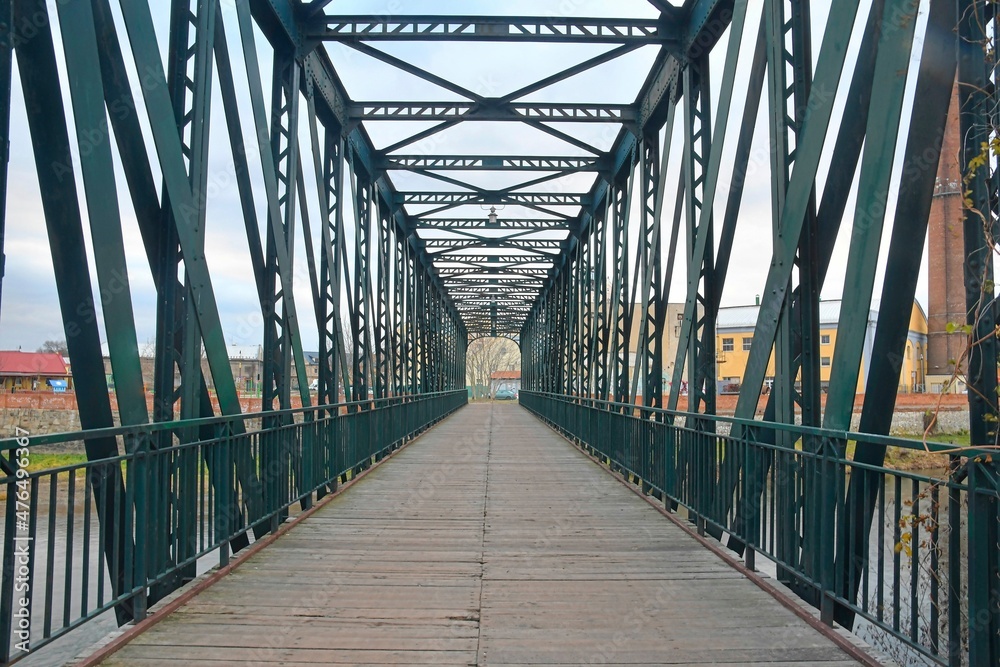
(813, 135)
(976, 117)
(913, 204)
(50, 144)
(6, 76)
(143, 40)
(844, 161)
(87, 93)
(350, 440)
(499, 28)
(667, 459)
(571, 285)
(876, 172)
(702, 162)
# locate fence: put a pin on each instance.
(910, 558)
(122, 532)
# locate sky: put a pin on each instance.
(29, 312)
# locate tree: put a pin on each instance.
(54, 346)
(485, 356)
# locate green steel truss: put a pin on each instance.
(401, 280)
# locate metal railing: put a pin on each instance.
(906, 559)
(120, 533)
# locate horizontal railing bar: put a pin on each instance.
(832, 434)
(158, 427)
(859, 541)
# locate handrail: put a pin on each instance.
(832, 434)
(894, 555)
(198, 422)
(120, 533)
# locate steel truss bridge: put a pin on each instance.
(408, 257)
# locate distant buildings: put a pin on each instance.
(33, 371)
(734, 335)
(245, 361)
(671, 337)
(510, 380)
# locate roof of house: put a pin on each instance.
(745, 317)
(505, 375)
(15, 362)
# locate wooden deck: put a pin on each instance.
(489, 541)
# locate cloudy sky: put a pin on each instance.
(29, 312)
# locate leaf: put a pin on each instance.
(899, 547)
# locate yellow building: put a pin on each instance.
(734, 336)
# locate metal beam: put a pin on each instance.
(493, 111)
(452, 224)
(369, 28)
(490, 163)
(487, 197)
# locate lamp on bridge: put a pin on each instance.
(494, 221)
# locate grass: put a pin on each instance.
(962, 439)
(899, 458)
(40, 461)
(915, 459)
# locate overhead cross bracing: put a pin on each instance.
(491, 215)
(402, 185)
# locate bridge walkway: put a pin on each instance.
(488, 541)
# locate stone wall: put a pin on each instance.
(38, 421)
(912, 423)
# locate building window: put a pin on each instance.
(747, 342)
(727, 345)
(825, 362)
(824, 339)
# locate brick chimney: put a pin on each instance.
(946, 254)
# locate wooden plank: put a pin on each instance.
(490, 541)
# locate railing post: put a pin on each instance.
(7, 588)
(954, 588)
(225, 500)
(827, 516)
(984, 563)
(139, 478)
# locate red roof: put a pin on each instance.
(32, 363)
(506, 375)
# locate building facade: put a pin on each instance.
(33, 371)
(671, 337)
(510, 380)
(735, 331)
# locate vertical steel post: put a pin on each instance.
(976, 60)
(51, 146)
(6, 73)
